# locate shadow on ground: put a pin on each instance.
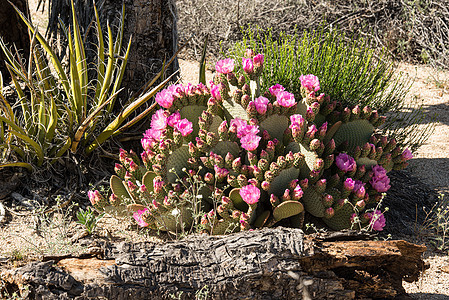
(405, 200)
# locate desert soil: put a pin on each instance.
(22, 237)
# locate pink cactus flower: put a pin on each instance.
(348, 184)
(173, 118)
(359, 189)
(276, 89)
(379, 171)
(240, 126)
(285, 99)
(215, 91)
(184, 126)
(310, 82)
(258, 60)
(297, 121)
(311, 131)
(407, 155)
(345, 162)
(377, 219)
(250, 142)
(261, 104)
(153, 134)
(159, 120)
(381, 183)
(220, 172)
(165, 98)
(247, 129)
(250, 194)
(94, 196)
(248, 65)
(139, 218)
(225, 66)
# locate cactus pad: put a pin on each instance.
(119, 189)
(357, 133)
(287, 209)
(280, 182)
(312, 202)
(366, 161)
(178, 161)
(341, 219)
(275, 125)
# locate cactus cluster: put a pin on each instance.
(230, 157)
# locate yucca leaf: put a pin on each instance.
(43, 121)
(109, 70)
(12, 125)
(53, 120)
(202, 74)
(100, 64)
(20, 93)
(81, 63)
(119, 78)
(17, 164)
(82, 128)
(37, 148)
(75, 81)
(64, 148)
(114, 125)
(6, 108)
(56, 63)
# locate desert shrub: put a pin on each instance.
(351, 73)
(237, 155)
(411, 30)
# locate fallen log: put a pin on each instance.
(278, 263)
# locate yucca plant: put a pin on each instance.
(62, 108)
(264, 156)
(350, 72)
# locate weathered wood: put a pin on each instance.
(275, 263)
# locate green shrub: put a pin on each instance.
(349, 72)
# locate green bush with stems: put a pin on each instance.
(62, 108)
(352, 73)
(236, 155)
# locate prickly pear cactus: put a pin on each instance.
(229, 157)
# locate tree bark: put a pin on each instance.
(151, 23)
(13, 31)
(275, 263)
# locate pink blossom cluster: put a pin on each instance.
(94, 197)
(283, 98)
(159, 122)
(138, 216)
(261, 104)
(250, 65)
(250, 194)
(246, 133)
(345, 162)
(310, 82)
(166, 97)
(225, 66)
(380, 181)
